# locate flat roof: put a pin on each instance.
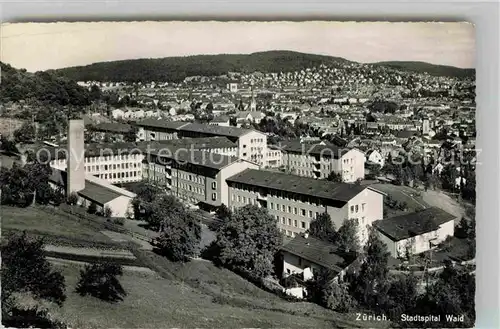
(315, 148)
(342, 192)
(413, 224)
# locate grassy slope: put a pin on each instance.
(55, 228)
(402, 194)
(153, 302)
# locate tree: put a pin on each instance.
(26, 133)
(402, 295)
(26, 270)
(92, 209)
(162, 208)
(100, 281)
(223, 212)
(58, 196)
(331, 292)
(180, 237)
(72, 198)
(108, 212)
(17, 187)
(323, 228)
(347, 236)
(248, 242)
(8, 146)
(335, 177)
(372, 277)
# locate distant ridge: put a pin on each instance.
(432, 69)
(175, 69)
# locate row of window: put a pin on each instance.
(287, 233)
(356, 208)
(190, 188)
(311, 165)
(290, 210)
(257, 140)
(289, 222)
(114, 167)
(132, 174)
(122, 157)
(279, 194)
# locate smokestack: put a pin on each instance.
(75, 161)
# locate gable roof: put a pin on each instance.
(318, 252)
(413, 224)
(339, 192)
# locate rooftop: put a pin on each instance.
(413, 224)
(155, 123)
(340, 192)
(318, 252)
(195, 157)
(114, 127)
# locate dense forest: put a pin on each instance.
(175, 69)
(437, 70)
(42, 87)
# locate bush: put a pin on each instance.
(119, 221)
(92, 209)
(107, 212)
(100, 281)
(72, 199)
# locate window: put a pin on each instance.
(352, 208)
(295, 211)
(239, 198)
(244, 200)
(283, 208)
(214, 185)
(363, 206)
(303, 211)
(244, 154)
(289, 222)
(357, 208)
(289, 209)
(272, 206)
(283, 221)
(295, 223)
(214, 196)
(310, 213)
(303, 224)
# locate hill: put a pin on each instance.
(175, 69)
(44, 87)
(432, 69)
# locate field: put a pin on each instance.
(54, 227)
(195, 294)
(154, 302)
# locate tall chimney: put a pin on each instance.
(76, 162)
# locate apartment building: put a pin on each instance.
(252, 144)
(122, 162)
(320, 159)
(295, 201)
(115, 163)
(274, 158)
(157, 130)
(416, 232)
(195, 176)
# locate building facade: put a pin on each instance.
(415, 233)
(296, 201)
(320, 160)
(199, 177)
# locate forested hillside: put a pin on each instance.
(43, 87)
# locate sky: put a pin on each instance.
(42, 46)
